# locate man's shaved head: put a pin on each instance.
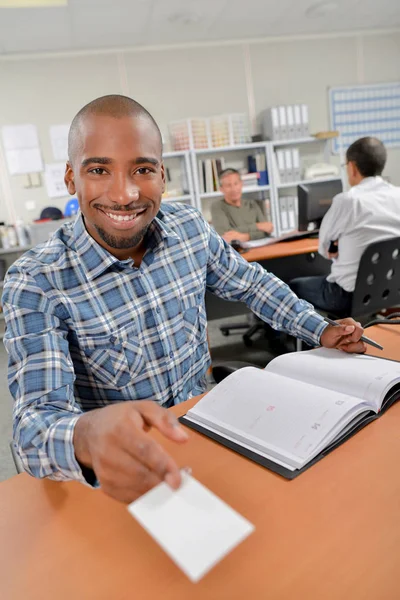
(113, 105)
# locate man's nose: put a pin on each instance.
(122, 190)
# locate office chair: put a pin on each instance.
(377, 284)
(254, 325)
(377, 288)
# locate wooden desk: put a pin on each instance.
(331, 534)
(281, 250)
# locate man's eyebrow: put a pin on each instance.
(140, 160)
(100, 160)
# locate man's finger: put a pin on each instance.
(164, 420)
(142, 448)
(354, 347)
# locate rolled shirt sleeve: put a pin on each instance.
(41, 379)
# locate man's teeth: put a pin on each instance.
(123, 218)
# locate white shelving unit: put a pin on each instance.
(278, 188)
(260, 191)
(180, 164)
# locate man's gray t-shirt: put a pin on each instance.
(243, 218)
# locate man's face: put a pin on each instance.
(231, 186)
(118, 176)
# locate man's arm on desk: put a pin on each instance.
(54, 438)
(231, 277)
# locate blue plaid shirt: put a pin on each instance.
(85, 329)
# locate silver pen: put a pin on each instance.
(363, 338)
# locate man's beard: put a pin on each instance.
(121, 243)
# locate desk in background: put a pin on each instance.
(332, 533)
(286, 260)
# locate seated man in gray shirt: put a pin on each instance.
(237, 218)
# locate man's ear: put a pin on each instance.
(353, 170)
(163, 177)
(69, 179)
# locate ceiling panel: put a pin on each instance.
(177, 21)
(34, 29)
(100, 23)
(106, 24)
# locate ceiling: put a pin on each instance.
(93, 24)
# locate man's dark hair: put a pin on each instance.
(114, 105)
(369, 156)
(228, 171)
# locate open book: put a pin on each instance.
(291, 414)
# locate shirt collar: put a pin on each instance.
(96, 259)
(370, 180)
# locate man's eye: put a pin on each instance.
(97, 171)
(143, 171)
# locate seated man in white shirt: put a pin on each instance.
(369, 212)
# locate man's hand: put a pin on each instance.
(333, 250)
(265, 226)
(235, 235)
(114, 442)
(346, 337)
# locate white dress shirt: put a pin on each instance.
(369, 212)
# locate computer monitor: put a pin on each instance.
(314, 200)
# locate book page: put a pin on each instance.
(359, 375)
(287, 419)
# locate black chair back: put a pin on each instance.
(378, 278)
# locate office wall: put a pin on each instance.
(192, 81)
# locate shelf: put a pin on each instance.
(249, 190)
(304, 140)
(250, 146)
(307, 181)
(184, 198)
(175, 154)
(15, 249)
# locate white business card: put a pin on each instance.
(194, 527)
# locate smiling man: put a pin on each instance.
(106, 322)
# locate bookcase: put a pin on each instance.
(310, 150)
(203, 168)
(179, 178)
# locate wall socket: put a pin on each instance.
(30, 205)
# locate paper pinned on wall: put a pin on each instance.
(27, 160)
(54, 180)
(20, 137)
(59, 141)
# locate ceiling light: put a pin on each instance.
(31, 3)
(321, 9)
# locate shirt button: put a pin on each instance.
(171, 354)
(113, 339)
(158, 309)
(199, 296)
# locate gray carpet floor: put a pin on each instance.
(222, 348)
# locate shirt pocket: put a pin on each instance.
(194, 318)
(114, 358)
